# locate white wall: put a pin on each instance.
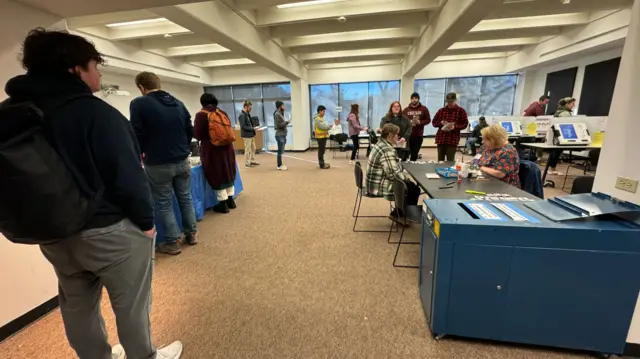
(359, 74)
(249, 74)
(27, 279)
(462, 68)
(188, 93)
(536, 78)
(300, 114)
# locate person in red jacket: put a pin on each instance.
(449, 121)
(419, 116)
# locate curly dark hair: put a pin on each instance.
(57, 51)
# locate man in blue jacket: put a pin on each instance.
(164, 130)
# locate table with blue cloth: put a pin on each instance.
(202, 195)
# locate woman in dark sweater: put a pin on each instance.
(218, 162)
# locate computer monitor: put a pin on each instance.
(513, 128)
(571, 133)
(507, 126)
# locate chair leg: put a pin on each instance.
(395, 257)
(357, 216)
(355, 204)
(566, 174)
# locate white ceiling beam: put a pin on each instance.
(273, 16)
(354, 53)
(139, 32)
(353, 24)
(397, 57)
(215, 21)
(75, 8)
(480, 50)
(494, 43)
(353, 64)
(174, 41)
(352, 36)
(195, 50)
(455, 19)
(531, 22)
(261, 4)
(491, 55)
(353, 45)
(110, 18)
(554, 7)
(511, 33)
(221, 63)
(226, 55)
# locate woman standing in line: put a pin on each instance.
(218, 162)
(354, 129)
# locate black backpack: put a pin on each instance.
(40, 199)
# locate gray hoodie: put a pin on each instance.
(280, 123)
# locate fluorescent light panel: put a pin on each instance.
(306, 3)
(136, 22)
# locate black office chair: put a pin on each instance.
(359, 176)
(582, 185)
(341, 139)
(403, 214)
(589, 164)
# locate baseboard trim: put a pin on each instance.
(632, 350)
(28, 318)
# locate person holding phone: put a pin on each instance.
(396, 117)
(449, 120)
(281, 133)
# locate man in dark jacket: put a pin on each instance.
(419, 116)
(476, 135)
(97, 143)
(248, 134)
(164, 130)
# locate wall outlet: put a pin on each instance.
(627, 184)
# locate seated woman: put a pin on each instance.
(499, 159)
(383, 168)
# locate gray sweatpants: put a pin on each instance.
(119, 258)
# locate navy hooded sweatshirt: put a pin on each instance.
(163, 128)
(95, 141)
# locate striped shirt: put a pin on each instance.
(382, 168)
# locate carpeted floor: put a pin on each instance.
(283, 276)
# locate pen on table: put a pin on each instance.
(450, 183)
(476, 192)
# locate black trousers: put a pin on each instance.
(448, 151)
(356, 146)
(322, 146)
(415, 144)
(554, 158)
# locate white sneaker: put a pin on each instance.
(117, 352)
(282, 168)
(171, 351)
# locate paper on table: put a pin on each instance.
(532, 129)
(598, 139)
(433, 176)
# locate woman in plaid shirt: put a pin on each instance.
(383, 168)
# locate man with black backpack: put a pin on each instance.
(164, 130)
(71, 181)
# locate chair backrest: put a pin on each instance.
(530, 178)
(594, 157)
(342, 137)
(582, 184)
(358, 175)
(400, 194)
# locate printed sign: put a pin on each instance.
(542, 126)
(338, 108)
(502, 197)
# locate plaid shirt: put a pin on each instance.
(382, 168)
(454, 114)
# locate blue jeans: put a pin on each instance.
(471, 144)
(281, 140)
(164, 180)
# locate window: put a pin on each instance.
(374, 99)
(262, 97)
(482, 95)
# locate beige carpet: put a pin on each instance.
(283, 276)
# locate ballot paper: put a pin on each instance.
(433, 176)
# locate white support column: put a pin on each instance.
(620, 151)
(300, 114)
(406, 89)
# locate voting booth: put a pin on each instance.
(513, 128)
(571, 134)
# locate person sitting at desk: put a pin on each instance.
(476, 135)
(500, 158)
(335, 129)
(383, 168)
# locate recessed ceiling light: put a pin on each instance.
(136, 22)
(306, 3)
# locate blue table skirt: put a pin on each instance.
(202, 195)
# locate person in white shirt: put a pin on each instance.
(336, 129)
